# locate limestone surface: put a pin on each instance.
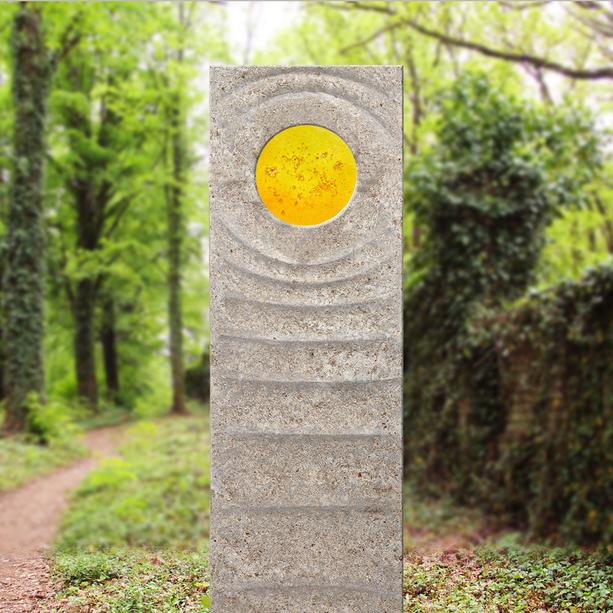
(306, 352)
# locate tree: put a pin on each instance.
(501, 171)
(121, 155)
(173, 75)
(176, 227)
(572, 34)
(599, 28)
(23, 283)
(100, 170)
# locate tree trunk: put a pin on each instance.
(84, 341)
(108, 339)
(85, 293)
(175, 242)
(174, 196)
(90, 199)
(24, 273)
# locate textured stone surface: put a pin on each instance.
(293, 476)
(306, 408)
(325, 546)
(311, 360)
(348, 599)
(306, 356)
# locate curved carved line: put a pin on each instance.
(311, 73)
(300, 283)
(355, 249)
(263, 256)
(291, 94)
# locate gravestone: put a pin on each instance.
(306, 339)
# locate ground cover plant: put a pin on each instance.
(135, 535)
(135, 539)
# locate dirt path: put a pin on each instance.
(29, 517)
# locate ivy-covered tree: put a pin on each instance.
(33, 67)
(500, 172)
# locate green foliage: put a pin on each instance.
(502, 169)
(134, 580)
(119, 548)
(107, 189)
(528, 432)
(499, 173)
(115, 77)
(559, 465)
(156, 494)
(50, 421)
(501, 579)
(84, 569)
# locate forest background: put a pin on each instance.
(508, 241)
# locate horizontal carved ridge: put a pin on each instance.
(269, 340)
(228, 297)
(280, 436)
(241, 509)
(299, 588)
(352, 382)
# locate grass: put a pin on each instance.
(156, 494)
(135, 536)
(22, 459)
(135, 539)
(133, 580)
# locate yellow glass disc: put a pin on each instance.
(305, 175)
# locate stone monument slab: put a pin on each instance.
(306, 338)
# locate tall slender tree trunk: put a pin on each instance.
(24, 273)
(91, 197)
(175, 243)
(174, 197)
(84, 341)
(108, 339)
(85, 295)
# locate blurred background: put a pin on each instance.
(508, 290)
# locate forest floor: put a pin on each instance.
(29, 517)
(134, 538)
